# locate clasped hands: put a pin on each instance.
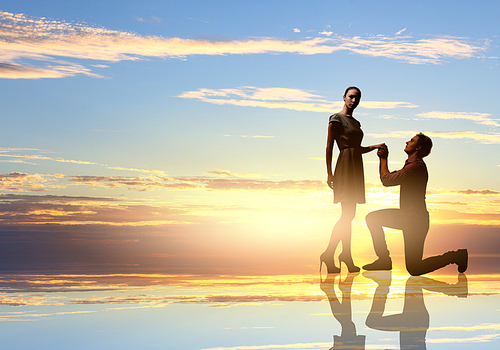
(383, 151)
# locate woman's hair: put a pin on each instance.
(425, 144)
(350, 88)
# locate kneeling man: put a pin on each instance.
(412, 216)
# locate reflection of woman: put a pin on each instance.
(348, 181)
(342, 312)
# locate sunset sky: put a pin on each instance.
(189, 136)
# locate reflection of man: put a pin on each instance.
(412, 217)
(413, 322)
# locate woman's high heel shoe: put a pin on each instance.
(349, 263)
(330, 265)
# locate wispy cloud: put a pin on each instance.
(275, 97)
(480, 118)
(251, 136)
(46, 44)
(62, 160)
(198, 182)
(487, 138)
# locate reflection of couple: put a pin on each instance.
(412, 323)
(347, 183)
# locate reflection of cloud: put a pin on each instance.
(477, 339)
(208, 299)
(296, 346)
(480, 118)
(30, 317)
(480, 327)
(287, 98)
(41, 39)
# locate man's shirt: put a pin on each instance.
(413, 181)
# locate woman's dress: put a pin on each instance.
(348, 178)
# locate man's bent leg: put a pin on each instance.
(414, 232)
(375, 222)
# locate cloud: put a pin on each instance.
(287, 98)
(231, 181)
(327, 33)
(46, 158)
(296, 30)
(17, 71)
(228, 173)
(486, 138)
(22, 210)
(421, 51)
(150, 20)
(43, 42)
(401, 31)
(484, 192)
(72, 161)
(480, 118)
(22, 182)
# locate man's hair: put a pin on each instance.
(352, 88)
(425, 144)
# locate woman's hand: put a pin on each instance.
(383, 152)
(379, 146)
(329, 181)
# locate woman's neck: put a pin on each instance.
(347, 111)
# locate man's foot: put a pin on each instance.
(462, 259)
(379, 264)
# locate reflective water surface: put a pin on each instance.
(377, 310)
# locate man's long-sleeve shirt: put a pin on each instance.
(413, 181)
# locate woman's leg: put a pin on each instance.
(342, 232)
(342, 229)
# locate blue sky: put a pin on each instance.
(213, 115)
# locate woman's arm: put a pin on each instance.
(329, 152)
(371, 148)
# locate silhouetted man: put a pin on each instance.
(412, 216)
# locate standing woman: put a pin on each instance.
(348, 182)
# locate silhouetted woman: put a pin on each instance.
(348, 182)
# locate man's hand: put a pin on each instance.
(383, 152)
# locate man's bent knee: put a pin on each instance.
(414, 270)
(373, 218)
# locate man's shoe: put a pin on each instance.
(462, 258)
(379, 264)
